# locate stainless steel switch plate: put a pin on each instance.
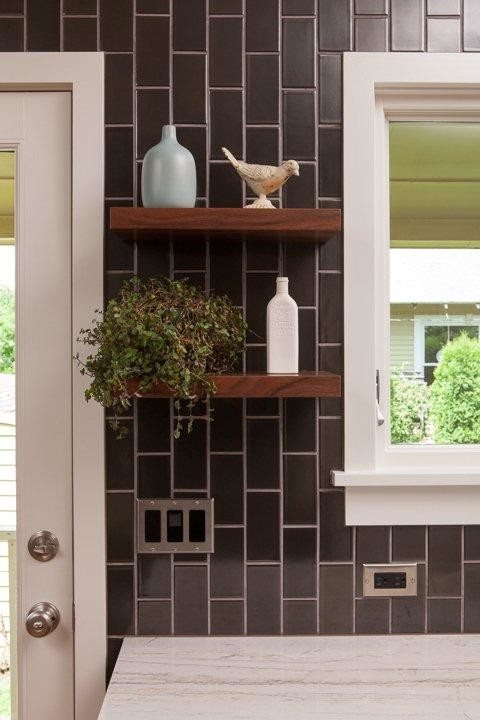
(175, 526)
(370, 571)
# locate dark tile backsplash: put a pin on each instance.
(263, 78)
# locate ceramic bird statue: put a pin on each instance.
(263, 179)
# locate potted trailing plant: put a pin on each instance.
(161, 331)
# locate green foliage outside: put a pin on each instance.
(7, 330)
(5, 696)
(409, 406)
(161, 331)
(455, 393)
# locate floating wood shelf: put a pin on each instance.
(225, 223)
(256, 384)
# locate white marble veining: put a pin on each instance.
(434, 677)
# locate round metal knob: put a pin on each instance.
(42, 619)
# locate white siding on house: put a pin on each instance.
(7, 477)
(401, 340)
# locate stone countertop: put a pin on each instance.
(434, 677)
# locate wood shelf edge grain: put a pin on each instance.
(255, 384)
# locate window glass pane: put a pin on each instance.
(434, 282)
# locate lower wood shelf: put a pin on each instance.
(257, 384)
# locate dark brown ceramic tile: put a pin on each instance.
(472, 542)
(262, 145)
(330, 308)
(11, 35)
(334, 25)
(225, 54)
(308, 347)
(227, 488)
(191, 601)
(154, 618)
(299, 427)
(113, 284)
(80, 34)
(226, 270)
(444, 555)
(113, 649)
(195, 139)
(298, 53)
(371, 7)
(153, 6)
(263, 600)
(43, 25)
(330, 82)
(262, 406)
(152, 260)
(262, 89)
(152, 55)
(256, 360)
(262, 26)
(472, 597)
(153, 425)
(299, 266)
(299, 126)
(336, 599)
(446, 7)
(77, 7)
(263, 469)
(372, 547)
(471, 25)
(190, 457)
(119, 458)
(335, 537)
(154, 576)
(120, 604)
(262, 255)
(298, 7)
(330, 162)
(226, 123)
(331, 449)
(118, 162)
(226, 563)
(299, 617)
(225, 186)
(152, 113)
(189, 255)
(118, 253)
(227, 617)
(371, 616)
(227, 430)
(299, 562)
(260, 289)
(443, 34)
(118, 88)
(11, 7)
(154, 476)
(263, 531)
(407, 25)
(299, 490)
(444, 616)
(189, 18)
(120, 527)
(301, 191)
(408, 613)
(226, 7)
(408, 543)
(116, 25)
(331, 253)
(371, 34)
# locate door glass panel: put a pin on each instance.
(434, 286)
(7, 436)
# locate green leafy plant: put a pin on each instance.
(161, 331)
(7, 330)
(455, 392)
(409, 408)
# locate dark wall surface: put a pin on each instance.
(262, 77)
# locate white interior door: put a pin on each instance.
(37, 127)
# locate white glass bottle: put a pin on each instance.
(282, 331)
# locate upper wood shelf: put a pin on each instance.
(257, 384)
(305, 224)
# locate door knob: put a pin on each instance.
(43, 545)
(42, 619)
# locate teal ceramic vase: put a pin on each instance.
(169, 176)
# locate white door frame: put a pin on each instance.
(82, 74)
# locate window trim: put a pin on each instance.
(379, 88)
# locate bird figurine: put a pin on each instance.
(263, 179)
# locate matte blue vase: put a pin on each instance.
(169, 176)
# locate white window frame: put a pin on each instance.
(420, 322)
(385, 484)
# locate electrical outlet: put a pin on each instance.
(175, 526)
(390, 580)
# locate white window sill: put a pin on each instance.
(407, 477)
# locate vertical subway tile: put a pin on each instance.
(190, 457)
(299, 617)
(262, 26)
(331, 449)
(11, 7)
(298, 57)
(330, 314)
(260, 289)
(472, 542)
(11, 35)
(189, 254)
(119, 458)
(371, 616)
(152, 113)
(189, 88)
(226, 268)
(447, 7)
(299, 425)
(330, 85)
(330, 162)
(226, 431)
(118, 252)
(227, 617)
(189, 25)
(443, 34)
(335, 536)
(225, 55)
(152, 260)
(154, 576)
(226, 122)
(120, 527)
(195, 139)
(371, 34)
(76, 7)
(226, 7)
(262, 89)
(263, 600)
(155, 618)
(263, 454)
(444, 615)
(226, 476)
(116, 25)
(370, 7)
(334, 25)
(114, 645)
(159, 7)
(299, 560)
(299, 490)
(444, 556)
(226, 563)
(307, 331)
(372, 547)
(191, 601)
(336, 599)
(120, 605)
(225, 186)
(472, 597)
(407, 25)
(153, 425)
(79, 34)
(262, 255)
(43, 25)
(298, 7)
(152, 53)
(471, 25)
(301, 191)
(299, 264)
(118, 162)
(263, 526)
(408, 543)
(408, 613)
(118, 88)
(154, 476)
(262, 145)
(299, 125)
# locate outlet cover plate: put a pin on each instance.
(184, 506)
(370, 569)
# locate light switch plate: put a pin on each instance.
(388, 569)
(167, 525)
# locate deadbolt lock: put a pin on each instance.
(43, 545)
(42, 619)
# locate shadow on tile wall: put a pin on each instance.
(264, 79)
